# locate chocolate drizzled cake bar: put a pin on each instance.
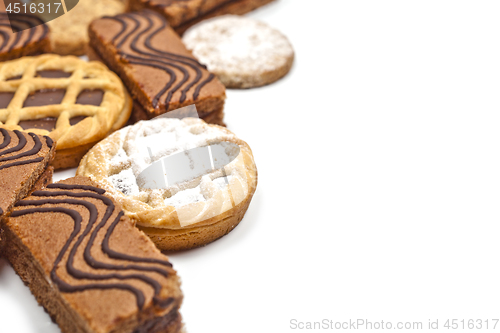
(88, 265)
(32, 36)
(157, 69)
(24, 160)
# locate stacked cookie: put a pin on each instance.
(175, 179)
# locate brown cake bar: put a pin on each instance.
(158, 70)
(24, 159)
(34, 40)
(88, 265)
(182, 14)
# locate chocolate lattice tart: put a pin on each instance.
(75, 102)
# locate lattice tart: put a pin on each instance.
(184, 182)
(76, 103)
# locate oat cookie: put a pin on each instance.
(242, 52)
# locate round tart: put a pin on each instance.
(242, 52)
(76, 103)
(193, 200)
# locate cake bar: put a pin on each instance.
(32, 36)
(24, 159)
(88, 265)
(157, 69)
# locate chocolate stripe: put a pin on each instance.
(122, 256)
(146, 54)
(193, 64)
(33, 151)
(185, 73)
(167, 86)
(77, 187)
(62, 285)
(197, 91)
(113, 254)
(6, 138)
(30, 36)
(20, 145)
(32, 21)
(48, 141)
(89, 259)
(18, 35)
(5, 37)
(35, 160)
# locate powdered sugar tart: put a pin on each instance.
(183, 213)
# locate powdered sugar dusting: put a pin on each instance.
(125, 182)
(163, 137)
(185, 197)
(149, 141)
(238, 45)
(125, 156)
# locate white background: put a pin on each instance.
(379, 177)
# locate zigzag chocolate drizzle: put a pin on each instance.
(152, 57)
(20, 146)
(15, 22)
(89, 259)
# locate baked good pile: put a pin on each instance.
(141, 118)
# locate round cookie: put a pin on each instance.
(242, 52)
(74, 102)
(192, 211)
